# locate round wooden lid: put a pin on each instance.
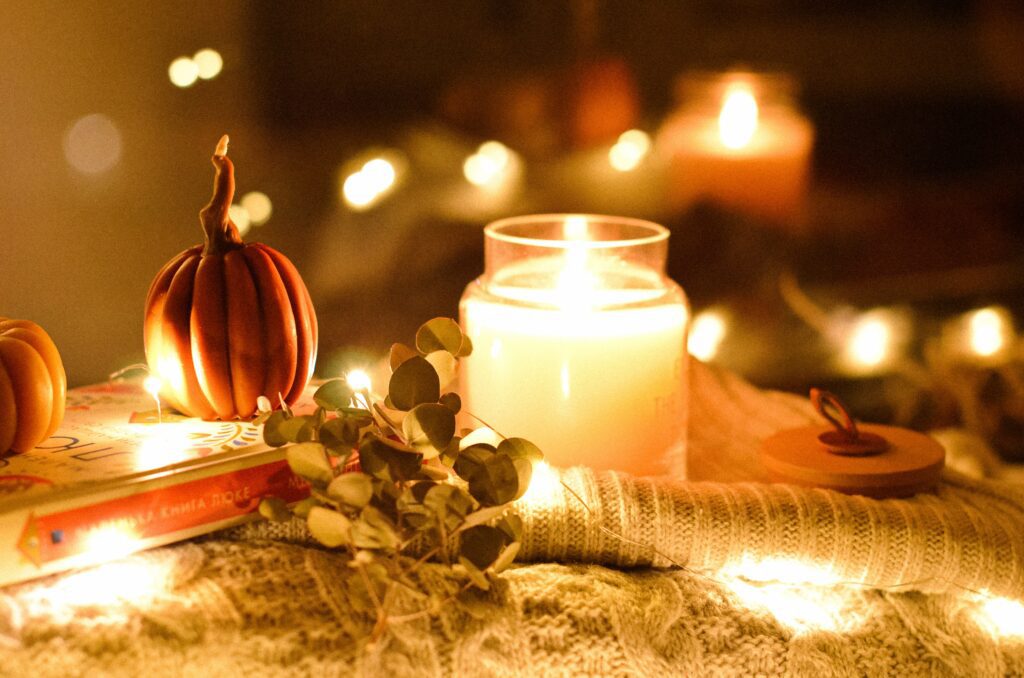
(909, 463)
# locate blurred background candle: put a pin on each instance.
(580, 342)
(737, 140)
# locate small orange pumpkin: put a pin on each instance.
(227, 321)
(33, 386)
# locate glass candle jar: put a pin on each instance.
(580, 342)
(739, 140)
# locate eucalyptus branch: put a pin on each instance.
(398, 498)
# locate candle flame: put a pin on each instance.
(575, 281)
(737, 121)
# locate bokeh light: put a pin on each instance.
(631, 148)
(258, 206)
(989, 330)
(706, 334)
(183, 72)
(365, 187)
(240, 216)
(208, 63)
(488, 166)
(92, 144)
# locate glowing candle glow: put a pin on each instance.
(738, 141)
(580, 342)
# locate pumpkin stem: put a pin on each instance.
(221, 233)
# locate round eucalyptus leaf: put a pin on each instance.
(272, 429)
(333, 394)
(298, 429)
(505, 558)
(483, 435)
(439, 334)
(476, 576)
(302, 508)
(446, 366)
(467, 347)
(470, 462)
(452, 401)
(429, 428)
(340, 435)
(274, 508)
(484, 515)
(351, 489)
(413, 383)
(482, 545)
(497, 483)
(437, 473)
(520, 448)
(388, 460)
(524, 472)
(328, 527)
(399, 354)
(309, 461)
(373, 530)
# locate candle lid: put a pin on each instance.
(871, 460)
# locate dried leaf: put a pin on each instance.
(299, 429)
(429, 428)
(303, 507)
(452, 401)
(498, 483)
(328, 527)
(388, 460)
(445, 365)
(309, 461)
(478, 578)
(505, 558)
(439, 334)
(471, 460)
(275, 508)
(351, 489)
(413, 383)
(520, 448)
(399, 354)
(482, 516)
(483, 435)
(271, 429)
(340, 435)
(333, 394)
(482, 545)
(373, 530)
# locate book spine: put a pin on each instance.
(56, 537)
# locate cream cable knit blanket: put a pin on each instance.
(264, 601)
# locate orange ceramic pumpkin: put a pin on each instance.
(33, 386)
(227, 321)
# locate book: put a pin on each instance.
(119, 476)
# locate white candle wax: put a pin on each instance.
(603, 388)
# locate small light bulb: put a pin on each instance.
(153, 384)
(358, 380)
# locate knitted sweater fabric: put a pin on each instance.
(778, 580)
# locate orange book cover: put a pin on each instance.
(118, 477)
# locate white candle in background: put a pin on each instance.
(580, 342)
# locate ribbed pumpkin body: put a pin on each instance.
(33, 386)
(229, 321)
(223, 329)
